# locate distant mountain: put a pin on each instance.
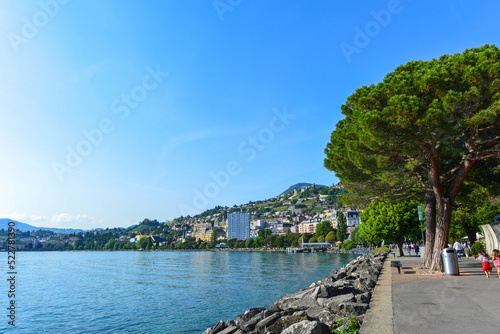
(23, 227)
(300, 185)
(4, 223)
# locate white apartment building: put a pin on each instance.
(352, 218)
(238, 225)
(259, 223)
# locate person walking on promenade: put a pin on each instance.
(466, 248)
(496, 260)
(458, 248)
(416, 248)
(485, 259)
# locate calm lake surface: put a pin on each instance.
(151, 292)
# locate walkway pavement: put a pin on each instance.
(433, 303)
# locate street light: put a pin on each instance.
(421, 217)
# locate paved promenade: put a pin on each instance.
(416, 302)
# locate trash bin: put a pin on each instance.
(450, 262)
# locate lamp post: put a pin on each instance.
(421, 217)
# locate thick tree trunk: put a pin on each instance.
(400, 246)
(442, 233)
(471, 235)
(430, 227)
(445, 196)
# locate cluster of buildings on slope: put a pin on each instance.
(239, 226)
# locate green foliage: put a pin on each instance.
(323, 228)
(213, 237)
(486, 213)
(313, 239)
(474, 207)
(427, 126)
(78, 244)
(263, 234)
(341, 227)
(356, 236)
(143, 242)
(384, 248)
(348, 245)
(240, 244)
(331, 237)
(476, 247)
(352, 326)
(392, 221)
(392, 129)
(232, 242)
(110, 244)
(249, 243)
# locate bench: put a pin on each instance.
(397, 264)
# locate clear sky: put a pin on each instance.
(115, 111)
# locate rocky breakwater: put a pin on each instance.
(345, 293)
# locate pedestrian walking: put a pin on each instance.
(417, 249)
(466, 250)
(496, 260)
(485, 259)
(458, 248)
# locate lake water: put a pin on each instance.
(151, 292)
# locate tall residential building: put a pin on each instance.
(238, 225)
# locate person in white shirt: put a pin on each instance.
(458, 248)
(466, 249)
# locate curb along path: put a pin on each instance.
(380, 317)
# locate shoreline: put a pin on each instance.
(332, 302)
(329, 250)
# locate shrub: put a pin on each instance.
(348, 245)
(350, 327)
(384, 248)
(475, 248)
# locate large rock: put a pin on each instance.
(286, 321)
(364, 297)
(251, 323)
(242, 318)
(364, 284)
(297, 301)
(321, 314)
(332, 303)
(268, 321)
(307, 327)
(218, 328)
(229, 330)
(349, 309)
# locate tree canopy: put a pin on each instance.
(390, 221)
(323, 228)
(341, 227)
(422, 131)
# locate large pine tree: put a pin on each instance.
(421, 132)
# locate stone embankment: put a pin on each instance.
(345, 293)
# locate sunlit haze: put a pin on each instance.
(116, 111)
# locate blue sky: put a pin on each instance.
(116, 111)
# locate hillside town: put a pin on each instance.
(297, 212)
